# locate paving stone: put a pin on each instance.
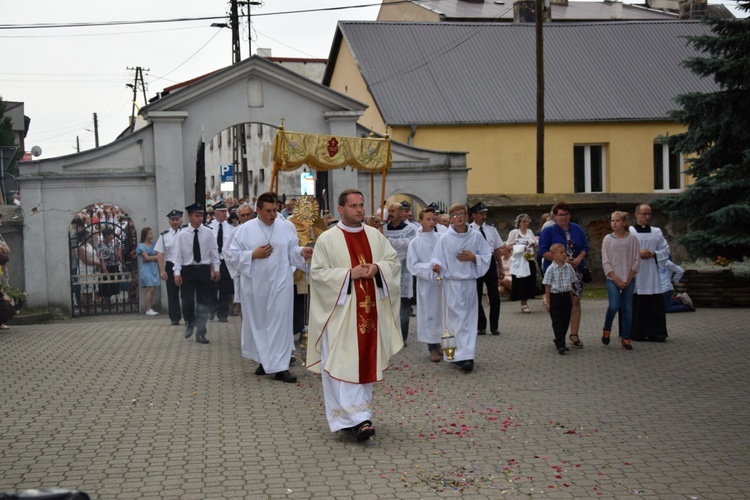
(136, 411)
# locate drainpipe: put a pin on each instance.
(411, 135)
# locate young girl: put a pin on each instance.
(621, 261)
(148, 269)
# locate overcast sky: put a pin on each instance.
(64, 75)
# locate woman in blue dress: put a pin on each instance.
(148, 269)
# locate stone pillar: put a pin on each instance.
(172, 181)
(34, 245)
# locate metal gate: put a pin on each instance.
(103, 269)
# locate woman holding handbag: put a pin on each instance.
(523, 245)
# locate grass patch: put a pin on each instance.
(594, 291)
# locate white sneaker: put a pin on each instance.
(151, 312)
(686, 299)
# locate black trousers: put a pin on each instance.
(489, 279)
(298, 319)
(222, 293)
(196, 289)
(173, 294)
(560, 307)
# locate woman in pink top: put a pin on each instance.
(621, 260)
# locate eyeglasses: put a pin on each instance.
(458, 214)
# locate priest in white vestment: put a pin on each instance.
(429, 297)
(264, 252)
(353, 327)
(461, 256)
(649, 315)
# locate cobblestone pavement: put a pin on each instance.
(125, 407)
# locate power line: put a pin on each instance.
(178, 20)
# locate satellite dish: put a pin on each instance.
(36, 151)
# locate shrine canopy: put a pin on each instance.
(327, 152)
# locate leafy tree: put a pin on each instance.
(6, 128)
(717, 141)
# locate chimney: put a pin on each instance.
(693, 9)
(524, 11)
(616, 9)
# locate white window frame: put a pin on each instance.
(587, 167)
(665, 152)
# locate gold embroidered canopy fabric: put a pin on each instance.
(327, 152)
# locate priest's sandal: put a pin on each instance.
(364, 431)
(575, 341)
(605, 336)
(626, 345)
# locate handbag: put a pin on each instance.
(586, 272)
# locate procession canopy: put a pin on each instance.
(329, 152)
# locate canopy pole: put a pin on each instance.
(372, 193)
(382, 197)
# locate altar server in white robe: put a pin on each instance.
(649, 315)
(354, 305)
(461, 256)
(265, 252)
(429, 298)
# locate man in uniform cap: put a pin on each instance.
(224, 288)
(196, 268)
(490, 234)
(165, 258)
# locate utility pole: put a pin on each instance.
(96, 130)
(138, 78)
(539, 14)
(78, 144)
(249, 4)
(239, 147)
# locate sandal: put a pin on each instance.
(364, 431)
(626, 345)
(605, 336)
(575, 341)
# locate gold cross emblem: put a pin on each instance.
(367, 304)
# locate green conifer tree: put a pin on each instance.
(716, 144)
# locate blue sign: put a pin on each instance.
(227, 173)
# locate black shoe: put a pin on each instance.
(495, 332)
(561, 350)
(211, 316)
(175, 323)
(201, 338)
(260, 371)
(660, 338)
(285, 376)
(223, 320)
(481, 332)
(468, 366)
(189, 331)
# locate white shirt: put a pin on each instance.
(227, 231)
(166, 242)
(183, 252)
(490, 233)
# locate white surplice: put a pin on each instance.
(648, 281)
(267, 290)
(332, 332)
(460, 286)
(429, 299)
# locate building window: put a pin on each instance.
(588, 168)
(213, 181)
(667, 169)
